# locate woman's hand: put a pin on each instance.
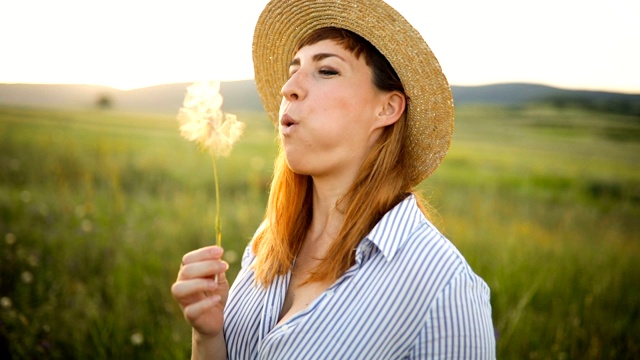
(200, 296)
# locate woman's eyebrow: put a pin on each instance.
(316, 58)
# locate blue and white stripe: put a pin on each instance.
(410, 295)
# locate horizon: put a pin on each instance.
(136, 45)
(240, 80)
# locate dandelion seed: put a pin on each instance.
(5, 302)
(137, 339)
(202, 120)
(26, 277)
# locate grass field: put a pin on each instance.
(97, 208)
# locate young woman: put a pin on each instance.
(346, 264)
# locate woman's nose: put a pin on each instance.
(293, 89)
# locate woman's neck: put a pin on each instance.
(328, 211)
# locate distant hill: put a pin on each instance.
(238, 95)
(521, 93)
(242, 95)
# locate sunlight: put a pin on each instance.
(137, 44)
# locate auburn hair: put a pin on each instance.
(381, 183)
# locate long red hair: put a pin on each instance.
(380, 184)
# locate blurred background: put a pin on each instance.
(100, 196)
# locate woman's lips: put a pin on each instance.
(287, 123)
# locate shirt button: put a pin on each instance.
(285, 328)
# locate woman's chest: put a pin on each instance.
(355, 314)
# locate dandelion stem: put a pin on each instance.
(215, 176)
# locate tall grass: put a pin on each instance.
(97, 208)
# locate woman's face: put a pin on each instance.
(329, 112)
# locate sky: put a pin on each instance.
(573, 44)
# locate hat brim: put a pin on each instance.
(284, 23)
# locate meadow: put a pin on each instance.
(98, 207)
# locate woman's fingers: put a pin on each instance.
(202, 289)
(183, 290)
(202, 269)
(222, 277)
(203, 254)
(194, 311)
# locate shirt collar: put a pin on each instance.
(392, 231)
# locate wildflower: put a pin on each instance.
(203, 121)
(5, 302)
(231, 256)
(26, 277)
(137, 338)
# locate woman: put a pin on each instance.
(346, 264)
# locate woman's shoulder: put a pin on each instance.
(432, 256)
(406, 232)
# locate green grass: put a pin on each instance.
(97, 208)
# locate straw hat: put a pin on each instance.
(283, 24)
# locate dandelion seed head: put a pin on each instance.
(206, 93)
(26, 277)
(5, 302)
(202, 120)
(137, 338)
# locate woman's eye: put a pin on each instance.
(328, 72)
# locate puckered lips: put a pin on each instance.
(287, 123)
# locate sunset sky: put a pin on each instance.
(576, 44)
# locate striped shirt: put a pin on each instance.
(410, 295)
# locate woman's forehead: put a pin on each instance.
(323, 48)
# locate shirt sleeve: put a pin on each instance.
(458, 325)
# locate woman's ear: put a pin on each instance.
(394, 104)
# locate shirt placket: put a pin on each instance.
(272, 304)
(269, 330)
